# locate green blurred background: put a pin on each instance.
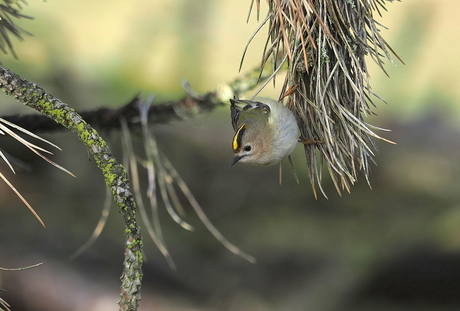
(393, 247)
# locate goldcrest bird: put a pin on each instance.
(266, 131)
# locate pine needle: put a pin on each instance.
(99, 227)
(22, 199)
(161, 173)
(5, 305)
(5, 130)
(154, 231)
(153, 158)
(204, 219)
(22, 268)
(325, 44)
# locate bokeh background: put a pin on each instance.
(393, 247)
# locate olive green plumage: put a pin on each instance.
(265, 131)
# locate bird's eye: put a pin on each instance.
(247, 148)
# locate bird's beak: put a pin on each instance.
(235, 159)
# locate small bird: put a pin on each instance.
(266, 131)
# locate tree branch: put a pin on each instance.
(115, 175)
(109, 119)
(189, 106)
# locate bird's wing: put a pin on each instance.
(239, 105)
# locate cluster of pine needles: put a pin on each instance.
(325, 44)
(9, 11)
(11, 129)
(164, 184)
(165, 188)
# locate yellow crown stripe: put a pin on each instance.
(236, 144)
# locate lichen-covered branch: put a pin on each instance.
(114, 173)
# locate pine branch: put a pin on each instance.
(189, 106)
(114, 174)
(109, 119)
